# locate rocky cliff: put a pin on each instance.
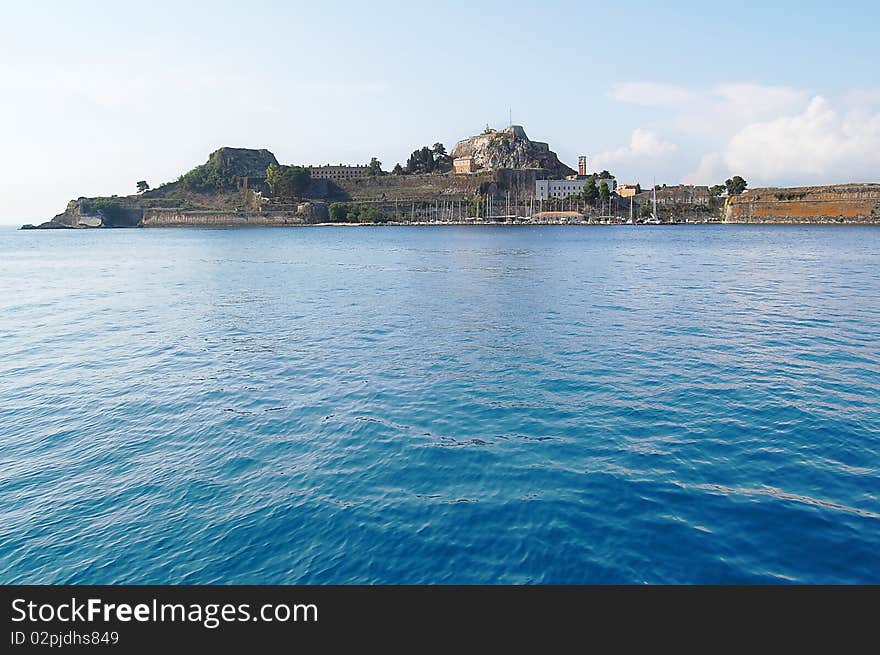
(510, 148)
(242, 162)
(95, 212)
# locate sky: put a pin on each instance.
(99, 95)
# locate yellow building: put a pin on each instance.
(463, 165)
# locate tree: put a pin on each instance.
(638, 188)
(442, 159)
(605, 175)
(590, 192)
(421, 161)
(338, 211)
(369, 214)
(398, 169)
(717, 190)
(375, 167)
(143, 186)
(604, 192)
(287, 181)
(428, 159)
(736, 185)
(205, 177)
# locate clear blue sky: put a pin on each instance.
(99, 95)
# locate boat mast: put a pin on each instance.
(655, 199)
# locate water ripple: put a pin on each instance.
(450, 405)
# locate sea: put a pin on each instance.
(441, 405)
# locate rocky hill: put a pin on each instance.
(224, 184)
(242, 162)
(510, 148)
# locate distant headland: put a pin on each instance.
(497, 176)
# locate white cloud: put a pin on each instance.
(711, 170)
(815, 145)
(709, 112)
(771, 135)
(643, 144)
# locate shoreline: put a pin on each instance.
(66, 228)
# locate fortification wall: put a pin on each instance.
(440, 186)
(304, 214)
(850, 203)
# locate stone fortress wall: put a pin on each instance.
(842, 203)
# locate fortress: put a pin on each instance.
(496, 167)
(841, 203)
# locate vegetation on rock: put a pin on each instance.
(341, 212)
(225, 167)
(206, 177)
(287, 181)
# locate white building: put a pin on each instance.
(545, 189)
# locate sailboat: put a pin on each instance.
(654, 219)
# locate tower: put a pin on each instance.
(582, 165)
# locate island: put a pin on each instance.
(496, 176)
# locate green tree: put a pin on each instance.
(205, 177)
(369, 214)
(736, 185)
(638, 188)
(143, 186)
(287, 181)
(428, 159)
(375, 167)
(442, 159)
(605, 175)
(398, 169)
(604, 192)
(590, 192)
(338, 211)
(717, 190)
(421, 161)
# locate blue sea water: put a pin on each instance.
(440, 405)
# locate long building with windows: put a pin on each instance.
(340, 172)
(545, 189)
